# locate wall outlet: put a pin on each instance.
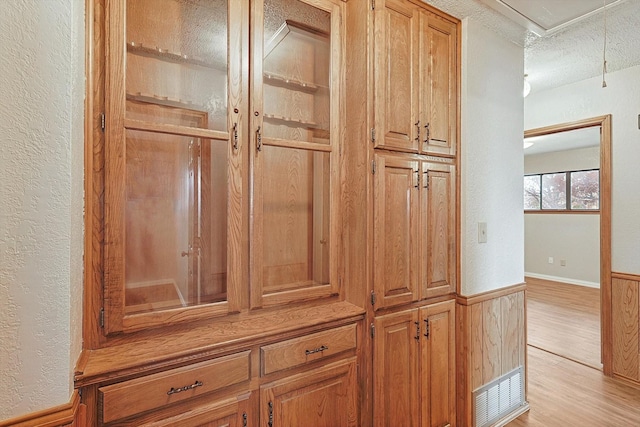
(482, 232)
(563, 262)
(550, 260)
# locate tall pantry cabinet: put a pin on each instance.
(402, 202)
(214, 290)
(271, 213)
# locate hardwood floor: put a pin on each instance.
(564, 319)
(566, 384)
(565, 393)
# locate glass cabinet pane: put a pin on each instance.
(175, 221)
(176, 64)
(296, 207)
(296, 71)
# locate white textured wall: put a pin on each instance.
(621, 98)
(574, 238)
(41, 201)
(492, 160)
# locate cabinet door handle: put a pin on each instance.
(270, 414)
(235, 136)
(185, 388)
(259, 138)
(427, 328)
(316, 350)
(417, 124)
(428, 132)
(417, 337)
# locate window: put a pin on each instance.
(563, 191)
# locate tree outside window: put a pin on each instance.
(560, 191)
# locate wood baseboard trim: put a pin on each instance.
(512, 416)
(62, 415)
(485, 296)
(626, 276)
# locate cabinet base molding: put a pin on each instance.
(69, 414)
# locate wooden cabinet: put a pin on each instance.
(415, 74)
(173, 166)
(230, 412)
(414, 228)
(414, 367)
(324, 397)
(128, 398)
(296, 76)
(222, 133)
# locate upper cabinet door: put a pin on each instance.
(396, 72)
(439, 93)
(297, 73)
(437, 229)
(172, 161)
(395, 243)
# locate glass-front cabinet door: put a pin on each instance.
(295, 108)
(172, 156)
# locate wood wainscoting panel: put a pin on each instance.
(491, 341)
(626, 318)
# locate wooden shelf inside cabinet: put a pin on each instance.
(288, 121)
(174, 57)
(290, 83)
(289, 26)
(165, 100)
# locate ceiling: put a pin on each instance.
(563, 39)
(569, 140)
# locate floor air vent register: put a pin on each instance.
(499, 398)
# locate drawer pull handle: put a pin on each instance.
(185, 388)
(316, 350)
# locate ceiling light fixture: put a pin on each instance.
(527, 86)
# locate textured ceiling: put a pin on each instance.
(569, 55)
(568, 140)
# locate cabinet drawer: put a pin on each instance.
(153, 391)
(298, 351)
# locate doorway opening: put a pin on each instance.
(577, 298)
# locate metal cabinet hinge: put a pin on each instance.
(270, 414)
(102, 121)
(373, 298)
(373, 331)
(244, 419)
(102, 317)
(373, 135)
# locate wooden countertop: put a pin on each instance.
(220, 336)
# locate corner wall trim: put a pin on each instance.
(61, 415)
(485, 296)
